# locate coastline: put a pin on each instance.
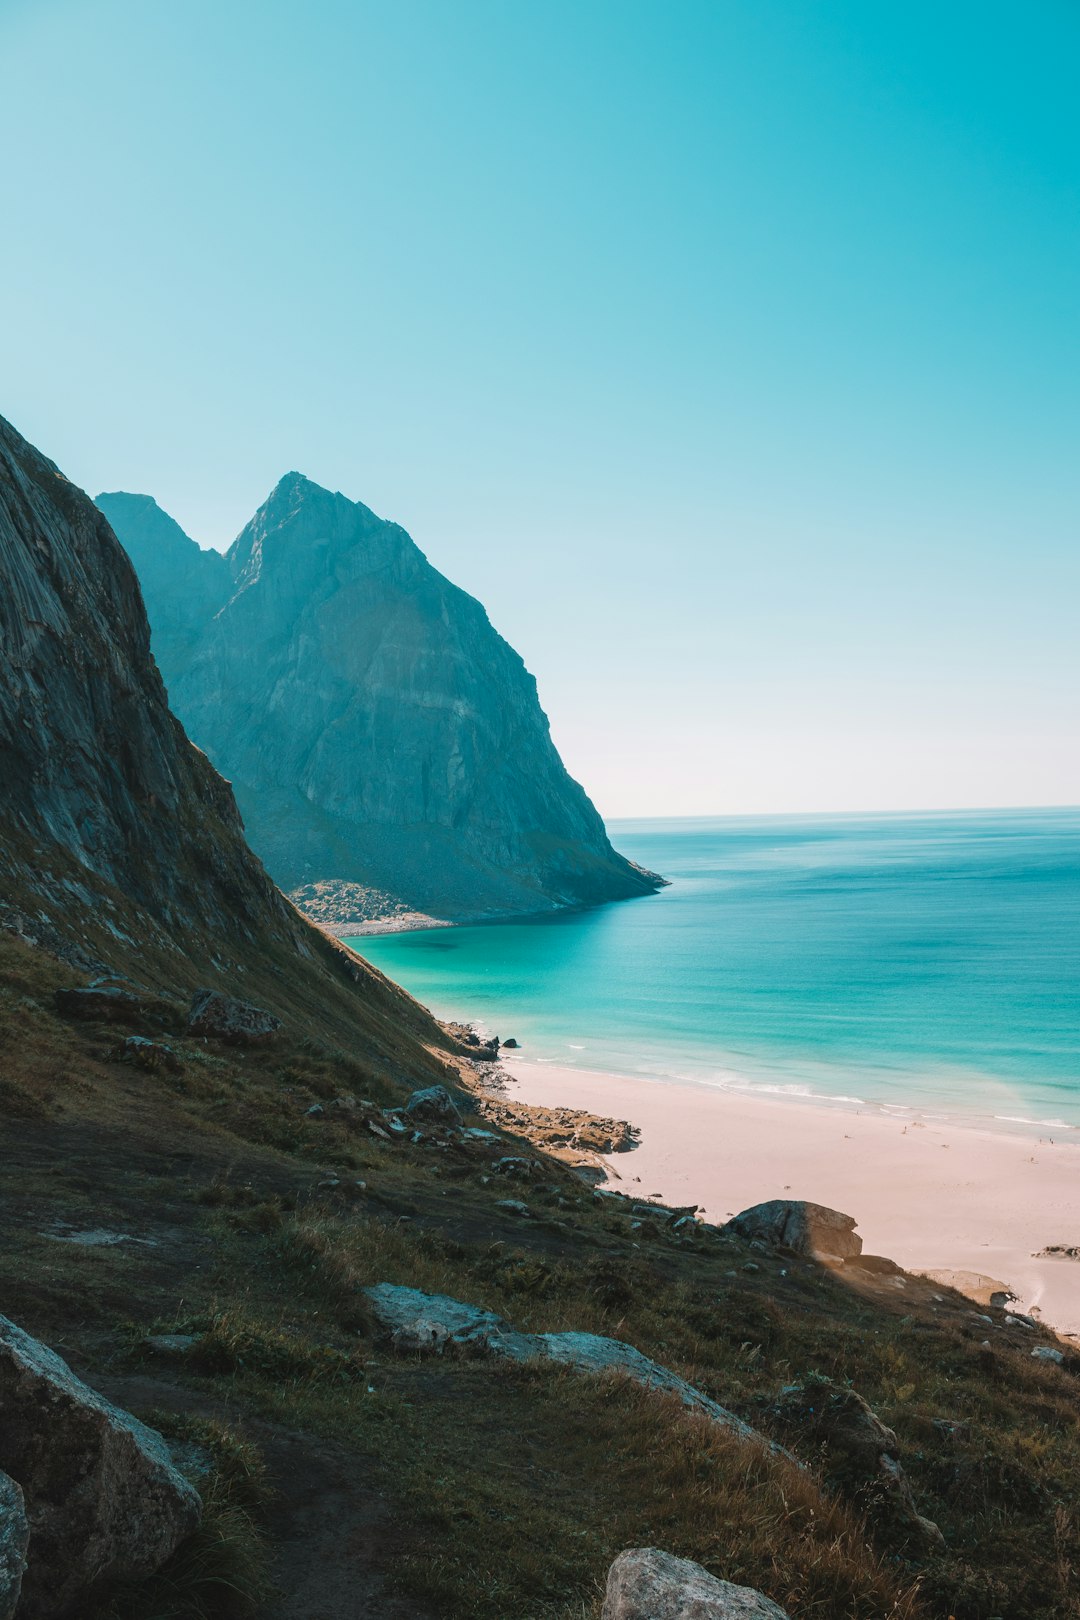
(932, 1193)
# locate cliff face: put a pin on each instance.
(120, 845)
(375, 727)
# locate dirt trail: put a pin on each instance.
(333, 1534)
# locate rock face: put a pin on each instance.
(376, 728)
(225, 1018)
(807, 1229)
(93, 763)
(422, 1322)
(103, 1497)
(646, 1584)
(14, 1536)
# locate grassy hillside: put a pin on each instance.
(348, 1479)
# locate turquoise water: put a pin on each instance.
(910, 960)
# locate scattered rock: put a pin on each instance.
(434, 1103)
(974, 1285)
(1019, 1321)
(103, 1497)
(225, 1018)
(645, 1584)
(316, 1111)
(14, 1536)
(1046, 1352)
(514, 1206)
(807, 1229)
(877, 1264)
(147, 1054)
(434, 1322)
(1058, 1251)
(861, 1454)
(512, 1165)
(171, 1344)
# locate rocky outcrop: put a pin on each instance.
(376, 728)
(95, 772)
(433, 1103)
(862, 1455)
(103, 1497)
(646, 1584)
(14, 1539)
(807, 1229)
(225, 1018)
(415, 1321)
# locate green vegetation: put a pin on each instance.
(483, 1491)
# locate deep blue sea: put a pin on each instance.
(928, 961)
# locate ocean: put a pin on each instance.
(927, 961)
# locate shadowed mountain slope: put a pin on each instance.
(376, 728)
(120, 845)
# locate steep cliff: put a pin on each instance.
(120, 845)
(376, 729)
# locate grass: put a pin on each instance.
(507, 1490)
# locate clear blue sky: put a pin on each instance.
(729, 352)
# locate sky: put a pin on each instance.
(729, 352)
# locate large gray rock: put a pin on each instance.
(14, 1535)
(225, 1018)
(808, 1229)
(103, 1496)
(646, 1584)
(422, 1322)
(433, 1103)
(376, 728)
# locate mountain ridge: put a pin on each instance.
(377, 729)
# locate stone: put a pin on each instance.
(861, 1454)
(435, 1322)
(1046, 1352)
(877, 1265)
(511, 1044)
(512, 1165)
(808, 1229)
(103, 1496)
(14, 1537)
(147, 1054)
(434, 1103)
(646, 1584)
(107, 1002)
(171, 1344)
(514, 1206)
(377, 728)
(226, 1018)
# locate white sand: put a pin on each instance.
(930, 1195)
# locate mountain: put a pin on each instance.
(377, 730)
(120, 845)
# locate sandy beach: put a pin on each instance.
(931, 1194)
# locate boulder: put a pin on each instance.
(225, 1018)
(807, 1229)
(424, 1322)
(861, 1455)
(435, 1104)
(14, 1535)
(646, 1584)
(147, 1054)
(511, 1044)
(105, 1001)
(104, 1499)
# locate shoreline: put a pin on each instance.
(932, 1193)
